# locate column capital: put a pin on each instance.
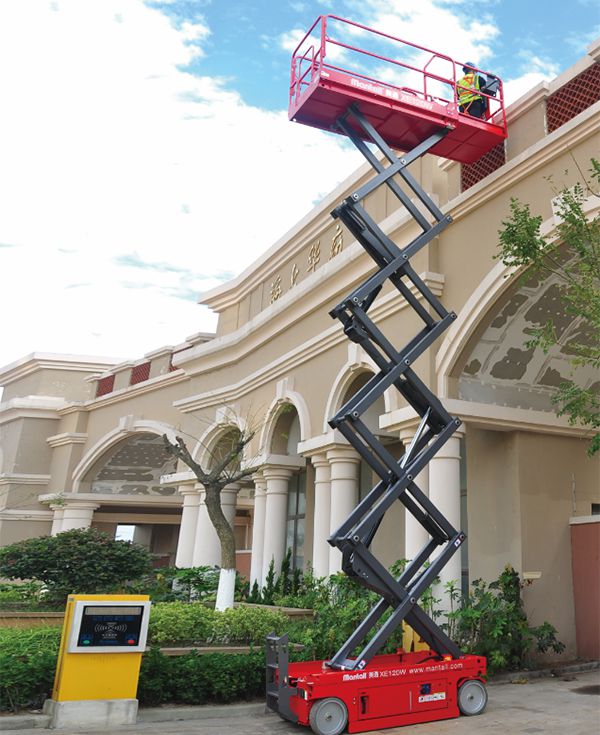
(321, 443)
(451, 449)
(186, 490)
(277, 472)
(319, 460)
(406, 433)
(343, 453)
(80, 505)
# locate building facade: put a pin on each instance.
(81, 439)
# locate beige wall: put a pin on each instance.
(493, 502)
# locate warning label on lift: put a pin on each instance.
(432, 697)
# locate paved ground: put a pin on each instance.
(567, 705)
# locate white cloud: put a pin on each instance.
(533, 70)
(449, 30)
(110, 149)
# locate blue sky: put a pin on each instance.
(131, 129)
(244, 45)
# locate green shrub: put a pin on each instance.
(339, 604)
(27, 662)
(200, 679)
(77, 561)
(22, 595)
(177, 623)
(249, 625)
(491, 621)
(181, 623)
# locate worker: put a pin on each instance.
(468, 88)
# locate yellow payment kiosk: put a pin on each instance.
(101, 648)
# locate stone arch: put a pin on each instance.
(208, 444)
(473, 314)
(108, 447)
(485, 359)
(276, 417)
(359, 364)
(478, 305)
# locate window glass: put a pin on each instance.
(301, 509)
(292, 497)
(289, 535)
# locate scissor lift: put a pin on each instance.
(357, 688)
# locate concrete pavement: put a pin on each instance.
(566, 704)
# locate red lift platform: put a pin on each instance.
(404, 90)
(393, 690)
(336, 85)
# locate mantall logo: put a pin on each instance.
(354, 677)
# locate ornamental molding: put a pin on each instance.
(490, 416)
(12, 478)
(232, 348)
(68, 437)
(37, 407)
(132, 391)
(75, 499)
(44, 516)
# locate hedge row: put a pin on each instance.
(183, 623)
(28, 657)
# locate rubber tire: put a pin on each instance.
(468, 692)
(318, 713)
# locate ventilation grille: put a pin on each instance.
(471, 173)
(139, 373)
(573, 98)
(105, 385)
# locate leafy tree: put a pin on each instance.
(225, 469)
(84, 561)
(573, 256)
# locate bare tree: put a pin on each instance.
(225, 469)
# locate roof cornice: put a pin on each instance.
(37, 361)
(37, 407)
(288, 246)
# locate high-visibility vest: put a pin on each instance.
(467, 88)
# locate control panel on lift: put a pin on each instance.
(103, 627)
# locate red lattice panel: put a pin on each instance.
(573, 97)
(139, 373)
(105, 385)
(471, 173)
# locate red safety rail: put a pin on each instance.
(406, 95)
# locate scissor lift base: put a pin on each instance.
(392, 690)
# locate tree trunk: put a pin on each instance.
(226, 589)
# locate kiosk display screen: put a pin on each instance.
(110, 625)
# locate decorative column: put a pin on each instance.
(444, 492)
(78, 514)
(322, 515)
(207, 549)
(187, 529)
(415, 536)
(277, 479)
(258, 529)
(229, 501)
(57, 519)
(343, 462)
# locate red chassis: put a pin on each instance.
(392, 690)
